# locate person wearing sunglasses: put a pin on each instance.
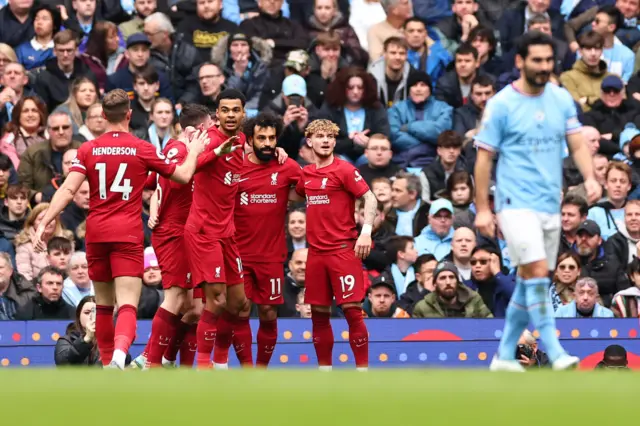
(565, 276)
(585, 303)
(487, 279)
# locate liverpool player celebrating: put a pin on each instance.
(261, 207)
(116, 165)
(334, 266)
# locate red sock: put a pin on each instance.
(206, 337)
(267, 336)
(145, 351)
(242, 341)
(224, 336)
(171, 351)
(188, 347)
(163, 330)
(105, 332)
(322, 337)
(358, 335)
(125, 328)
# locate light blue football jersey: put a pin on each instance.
(528, 134)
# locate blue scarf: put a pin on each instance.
(400, 280)
(155, 140)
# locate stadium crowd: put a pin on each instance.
(406, 82)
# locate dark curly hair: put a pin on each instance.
(14, 125)
(337, 89)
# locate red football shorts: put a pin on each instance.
(173, 263)
(332, 275)
(107, 261)
(213, 261)
(263, 282)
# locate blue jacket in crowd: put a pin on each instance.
(407, 132)
(571, 311)
(505, 284)
(428, 242)
(435, 63)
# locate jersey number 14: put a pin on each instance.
(119, 184)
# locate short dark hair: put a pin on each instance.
(484, 33)
(59, 243)
(48, 270)
(396, 244)
(231, 94)
(633, 267)
(450, 139)
(263, 120)
(5, 162)
(396, 41)
(17, 189)
(467, 49)
(413, 19)
(532, 38)
(483, 80)
(590, 40)
(615, 16)
(578, 201)
(422, 259)
(192, 115)
(148, 74)
(538, 18)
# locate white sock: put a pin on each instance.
(362, 369)
(224, 366)
(167, 362)
(325, 368)
(119, 357)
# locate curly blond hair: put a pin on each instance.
(321, 126)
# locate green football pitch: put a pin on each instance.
(301, 398)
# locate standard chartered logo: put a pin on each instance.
(228, 178)
(244, 199)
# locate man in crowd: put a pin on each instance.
(378, 153)
(433, 177)
(609, 214)
(15, 290)
(294, 283)
(623, 245)
(513, 22)
(143, 8)
(398, 11)
(146, 84)
(454, 87)
(381, 300)
(467, 117)
(573, 212)
(487, 279)
(437, 237)
(462, 245)
(619, 58)
(48, 304)
(14, 212)
(423, 285)
(407, 206)
(585, 303)
(210, 82)
(425, 54)
(457, 27)
(391, 71)
(402, 253)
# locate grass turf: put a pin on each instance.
(303, 397)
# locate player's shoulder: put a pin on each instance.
(291, 165)
(175, 150)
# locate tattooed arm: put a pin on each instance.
(363, 245)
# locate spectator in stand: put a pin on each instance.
(381, 188)
(52, 83)
(14, 211)
(326, 57)
(437, 237)
(392, 71)
(16, 22)
(462, 245)
(47, 304)
(77, 285)
(137, 55)
(78, 346)
(466, 17)
(76, 211)
(352, 104)
(620, 58)
(80, 19)
(207, 28)
(609, 272)
(43, 161)
(95, 123)
(327, 18)
(7, 175)
(402, 254)
(7, 56)
(146, 84)
(294, 283)
(297, 63)
(103, 54)
(160, 129)
(143, 8)
(417, 122)
(584, 80)
(574, 211)
(26, 128)
(625, 303)
(378, 154)
(55, 183)
(297, 111)
(13, 87)
(624, 244)
(82, 94)
(151, 295)
(538, 357)
(174, 56)
(246, 66)
(211, 82)
(609, 215)
(423, 285)
(570, 172)
(460, 192)
(612, 111)
(562, 289)
(296, 231)
(408, 212)
(433, 177)
(381, 300)
(35, 52)
(467, 117)
(303, 309)
(364, 15)
(585, 303)
(425, 54)
(487, 279)
(28, 262)
(282, 34)
(398, 11)
(514, 21)
(381, 233)
(15, 290)
(58, 253)
(454, 87)
(451, 298)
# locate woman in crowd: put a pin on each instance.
(34, 53)
(626, 303)
(296, 230)
(82, 95)
(78, 285)
(103, 54)
(26, 128)
(7, 56)
(161, 128)
(564, 279)
(352, 103)
(78, 345)
(28, 262)
(94, 124)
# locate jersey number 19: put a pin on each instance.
(119, 184)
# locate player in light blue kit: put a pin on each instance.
(526, 124)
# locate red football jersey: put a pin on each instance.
(117, 165)
(331, 194)
(175, 199)
(261, 208)
(216, 185)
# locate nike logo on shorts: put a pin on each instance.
(273, 297)
(344, 296)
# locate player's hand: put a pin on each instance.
(281, 155)
(227, 146)
(594, 190)
(199, 141)
(290, 115)
(90, 332)
(494, 264)
(153, 222)
(7, 95)
(485, 224)
(36, 239)
(363, 246)
(574, 46)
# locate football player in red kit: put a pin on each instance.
(116, 165)
(334, 266)
(261, 207)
